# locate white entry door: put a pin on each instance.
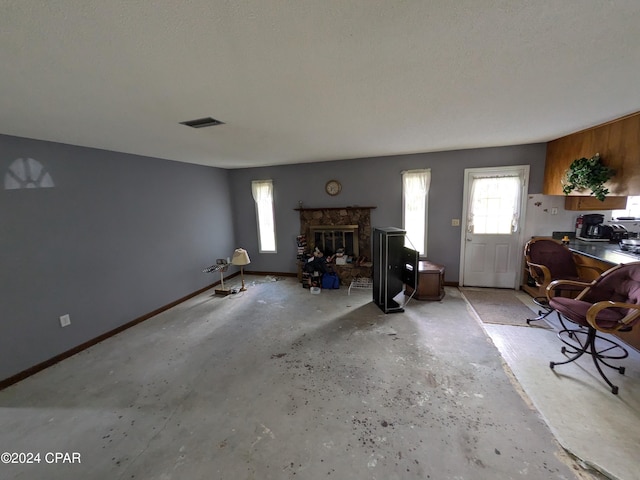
(493, 216)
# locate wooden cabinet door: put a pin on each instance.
(592, 203)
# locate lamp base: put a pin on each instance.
(243, 288)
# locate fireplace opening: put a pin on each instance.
(330, 238)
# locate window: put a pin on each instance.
(262, 191)
(495, 204)
(415, 195)
(633, 209)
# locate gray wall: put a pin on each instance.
(371, 182)
(117, 237)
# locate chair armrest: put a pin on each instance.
(558, 283)
(535, 270)
(592, 313)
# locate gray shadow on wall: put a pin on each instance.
(27, 173)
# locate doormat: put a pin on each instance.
(499, 306)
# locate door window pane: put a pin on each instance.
(495, 204)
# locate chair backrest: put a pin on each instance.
(553, 255)
(618, 284)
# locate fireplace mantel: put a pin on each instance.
(354, 207)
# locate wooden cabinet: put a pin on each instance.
(430, 282)
(592, 203)
(617, 142)
(529, 286)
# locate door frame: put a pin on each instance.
(468, 172)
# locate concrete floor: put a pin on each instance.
(277, 383)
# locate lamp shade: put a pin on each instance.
(240, 257)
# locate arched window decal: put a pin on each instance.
(27, 173)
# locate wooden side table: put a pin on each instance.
(430, 282)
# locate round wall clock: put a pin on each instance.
(333, 187)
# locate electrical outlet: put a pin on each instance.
(65, 320)
(455, 222)
(554, 210)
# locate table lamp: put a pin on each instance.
(241, 258)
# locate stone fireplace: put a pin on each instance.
(348, 228)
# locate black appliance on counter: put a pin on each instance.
(592, 228)
(618, 232)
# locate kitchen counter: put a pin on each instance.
(603, 251)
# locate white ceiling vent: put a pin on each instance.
(202, 122)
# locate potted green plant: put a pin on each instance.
(588, 173)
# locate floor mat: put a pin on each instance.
(499, 306)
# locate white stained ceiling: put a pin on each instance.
(313, 80)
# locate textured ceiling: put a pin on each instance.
(313, 80)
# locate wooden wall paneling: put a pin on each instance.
(618, 143)
(560, 154)
(628, 142)
(553, 171)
